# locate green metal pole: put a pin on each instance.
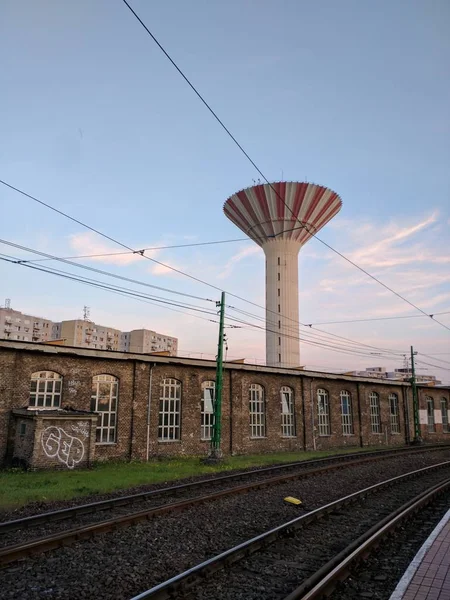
(217, 423)
(417, 437)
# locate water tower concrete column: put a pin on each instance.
(282, 335)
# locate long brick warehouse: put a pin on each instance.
(65, 407)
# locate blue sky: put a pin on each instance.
(352, 95)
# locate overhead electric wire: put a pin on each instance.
(107, 254)
(369, 319)
(95, 270)
(252, 162)
(164, 303)
(106, 286)
(65, 261)
(158, 301)
(107, 273)
(323, 333)
(319, 344)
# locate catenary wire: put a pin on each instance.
(100, 271)
(369, 319)
(103, 285)
(166, 289)
(123, 291)
(106, 254)
(140, 296)
(21, 261)
(171, 291)
(221, 123)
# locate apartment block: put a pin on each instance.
(82, 333)
(146, 341)
(403, 374)
(86, 334)
(15, 325)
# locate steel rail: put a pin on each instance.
(16, 552)
(111, 503)
(181, 583)
(338, 568)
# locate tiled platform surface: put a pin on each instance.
(428, 576)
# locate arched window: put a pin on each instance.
(104, 397)
(169, 425)
(430, 414)
(287, 412)
(208, 391)
(323, 411)
(444, 412)
(45, 389)
(257, 411)
(393, 410)
(375, 419)
(346, 413)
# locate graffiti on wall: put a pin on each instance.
(81, 427)
(59, 444)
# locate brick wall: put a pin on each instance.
(134, 372)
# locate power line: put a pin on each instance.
(252, 162)
(94, 270)
(119, 289)
(377, 319)
(106, 254)
(105, 286)
(333, 335)
(107, 273)
(165, 303)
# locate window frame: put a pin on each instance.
(394, 416)
(47, 388)
(172, 402)
(207, 417)
(431, 423)
(105, 417)
(288, 425)
(257, 412)
(375, 413)
(444, 411)
(346, 418)
(323, 414)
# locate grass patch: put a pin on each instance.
(18, 488)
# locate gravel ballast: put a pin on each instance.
(121, 564)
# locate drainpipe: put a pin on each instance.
(358, 400)
(406, 414)
(302, 396)
(230, 401)
(133, 396)
(312, 413)
(148, 410)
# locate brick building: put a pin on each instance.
(152, 406)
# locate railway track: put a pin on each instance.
(326, 579)
(266, 564)
(13, 552)
(130, 499)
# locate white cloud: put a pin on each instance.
(89, 243)
(236, 258)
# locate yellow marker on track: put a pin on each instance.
(292, 500)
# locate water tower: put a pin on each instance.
(260, 213)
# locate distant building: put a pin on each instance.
(86, 334)
(146, 341)
(82, 333)
(403, 374)
(15, 325)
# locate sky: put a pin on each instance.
(352, 95)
